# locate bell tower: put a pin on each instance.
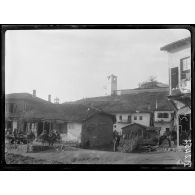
(112, 84)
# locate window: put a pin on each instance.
(185, 62)
(129, 118)
(185, 68)
(135, 117)
(6, 107)
(167, 129)
(174, 78)
(27, 107)
(120, 117)
(163, 115)
(11, 107)
(140, 117)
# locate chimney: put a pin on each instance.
(49, 98)
(34, 93)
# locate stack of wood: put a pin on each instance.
(148, 148)
(128, 145)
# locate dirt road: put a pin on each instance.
(83, 156)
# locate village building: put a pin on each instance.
(122, 120)
(164, 120)
(84, 125)
(140, 105)
(179, 60)
(125, 119)
(88, 126)
(142, 118)
(25, 112)
(136, 107)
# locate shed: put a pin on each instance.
(136, 136)
(132, 136)
(133, 130)
(91, 127)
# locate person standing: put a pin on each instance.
(116, 140)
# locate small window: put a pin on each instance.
(140, 117)
(166, 115)
(6, 107)
(185, 64)
(163, 115)
(135, 117)
(120, 117)
(174, 74)
(185, 68)
(129, 118)
(12, 108)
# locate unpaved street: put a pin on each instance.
(83, 156)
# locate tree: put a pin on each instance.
(152, 79)
(150, 83)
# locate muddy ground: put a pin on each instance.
(84, 156)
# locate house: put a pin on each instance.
(88, 126)
(24, 112)
(163, 119)
(142, 118)
(179, 60)
(137, 107)
(124, 119)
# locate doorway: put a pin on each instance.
(184, 128)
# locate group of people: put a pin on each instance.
(29, 136)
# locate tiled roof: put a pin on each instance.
(79, 112)
(42, 109)
(135, 124)
(143, 102)
(26, 96)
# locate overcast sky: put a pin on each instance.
(72, 64)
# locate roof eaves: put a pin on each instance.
(176, 44)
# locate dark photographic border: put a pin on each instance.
(87, 167)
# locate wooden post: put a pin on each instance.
(43, 125)
(49, 126)
(177, 126)
(36, 129)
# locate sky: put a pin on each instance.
(74, 64)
